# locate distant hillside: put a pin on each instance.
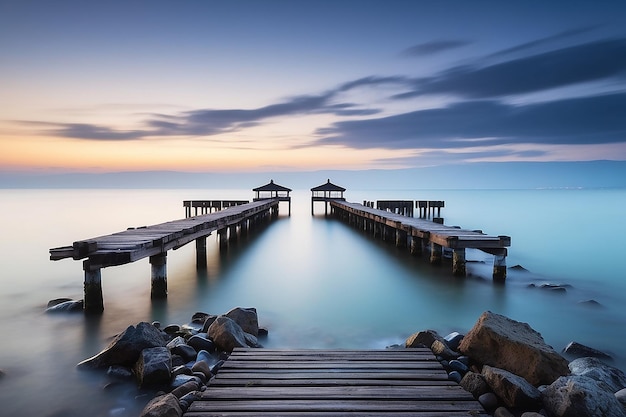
(595, 174)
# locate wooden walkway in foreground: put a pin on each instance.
(366, 383)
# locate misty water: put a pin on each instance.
(315, 282)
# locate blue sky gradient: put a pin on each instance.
(302, 85)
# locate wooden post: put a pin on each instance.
(222, 236)
(458, 262)
(232, 232)
(435, 253)
(400, 236)
(159, 276)
(93, 303)
(201, 260)
(499, 267)
(416, 246)
(243, 227)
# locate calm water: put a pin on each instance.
(314, 281)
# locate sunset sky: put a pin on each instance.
(203, 85)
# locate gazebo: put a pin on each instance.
(272, 190)
(326, 193)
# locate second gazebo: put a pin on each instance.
(326, 193)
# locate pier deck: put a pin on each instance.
(154, 241)
(270, 382)
(425, 235)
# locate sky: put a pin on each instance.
(298, 85)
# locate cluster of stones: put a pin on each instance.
(177, 360)
(511, 371)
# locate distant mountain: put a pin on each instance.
(509, 175)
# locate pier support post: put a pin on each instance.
(232, 234)
(159, 276)
(458, 263)
(400, 236)
(243, 228)
(201, 260)
(416, 246)
(435, 253)
(222, 236)
(499, 267)
(93, 303)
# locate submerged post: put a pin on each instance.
(435, 253)
(201, 260)
(159, 275)
(94, 303)
(499, 267)
(458, 262)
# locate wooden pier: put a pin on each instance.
(331, 383)
(154, 241)
(424, 236)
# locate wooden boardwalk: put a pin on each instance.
(366, 383)
(154, 241)
(425, 236)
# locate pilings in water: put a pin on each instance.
(155, 241)
(200, 207)
(428, 238)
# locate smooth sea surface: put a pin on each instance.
(315, 282)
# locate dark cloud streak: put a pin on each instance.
(434, 47)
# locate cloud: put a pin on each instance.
(434, 47)
(593, 61)
(587, 120)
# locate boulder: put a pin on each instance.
(207, 323)
(251, 340)
(424, 338)
(227, 334)
(498, 341)
(440, 348)
(154, 366)
(200, 342)
(475, 384)
(513, 390)
(453, 340)
(488, 400)
(578, 395)
(203, 367)
(163, 406)
(66, 307)
(578, 350)
(596, 369)
(502, 412)
(246, 318)
(185, 351)
(126, 347)
(186, 388)
(58, 301)
(621, 396)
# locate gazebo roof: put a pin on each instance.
(329, 186)
(271, 187)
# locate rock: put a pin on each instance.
(458, 366)
(205, 356)
(590, 303)
(185, 351)
(513, 390)
(163, 406)
(126, 347)
(181, 370)
(199, 317)
(440, 348)
(154, 366)
(186, 388)
(532, 414)
(599, 371)
(453, 340)
(156, 324)
(578, 395)
(424, 338)
(251, 340)
(207, 323)
(518, 268)
(180, 380)
(621, 396)
(578, 350)
(246, 318)
(488, 400)
(475, 384)
(227, 334)
(263, 332)
(217, 366)
(66, 307)
(455, 376)
(502, 412)
(172, 329)
(203, 367)
(199, 342)
(57, 301)
(507, 344)
(119, 372)
(178, 340)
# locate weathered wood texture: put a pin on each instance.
(446, 236)
(269, 382)
(138, 243)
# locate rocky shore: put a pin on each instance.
(504, 364)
